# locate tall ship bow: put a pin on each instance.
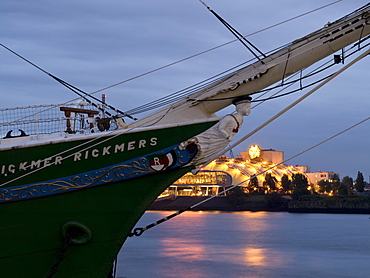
(75, 178)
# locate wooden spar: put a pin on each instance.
(275, 67)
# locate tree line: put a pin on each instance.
(299, 185)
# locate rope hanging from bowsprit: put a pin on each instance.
(239, 36)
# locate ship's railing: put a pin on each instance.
(47, 119)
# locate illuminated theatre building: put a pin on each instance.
(225, 172)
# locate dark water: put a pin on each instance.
(245, 244)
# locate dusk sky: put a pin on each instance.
(94, 44)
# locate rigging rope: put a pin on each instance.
(74, 89)
(238, 35)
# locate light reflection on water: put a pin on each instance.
(246, 244)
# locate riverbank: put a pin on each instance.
(272, 202)
(329, 207)
(223, 203)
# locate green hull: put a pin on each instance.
(32, 227)
(20, 165)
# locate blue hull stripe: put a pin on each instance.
(165, 159)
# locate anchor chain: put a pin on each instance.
(140, 231)
(61, 256)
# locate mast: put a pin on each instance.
(294, 57)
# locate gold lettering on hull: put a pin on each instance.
(78, 156)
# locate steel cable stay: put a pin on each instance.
(244, 41)
(140, 231)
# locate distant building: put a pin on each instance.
(204, 183)
(303, 169)
(276, 157)
(270, 155)
(314, 178)
(225, 172)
